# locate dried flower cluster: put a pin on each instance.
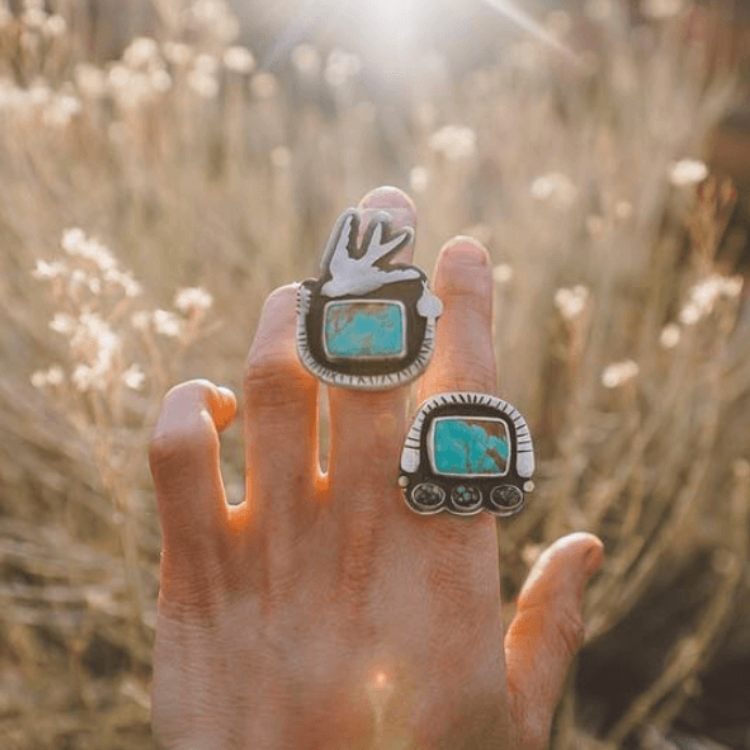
(96, 294)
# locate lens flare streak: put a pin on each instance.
(527, 23)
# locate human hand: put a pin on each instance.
(323, 613)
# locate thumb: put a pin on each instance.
(547, 631)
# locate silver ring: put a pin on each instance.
(466, 453)
(367, 323)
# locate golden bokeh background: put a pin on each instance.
(165, 164)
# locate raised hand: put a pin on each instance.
(322, 613)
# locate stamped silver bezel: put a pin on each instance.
(360, 382)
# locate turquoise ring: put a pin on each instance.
(368, 322)
(466, 453)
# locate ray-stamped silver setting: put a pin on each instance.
(367, 323)
(487, 463)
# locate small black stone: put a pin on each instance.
(428, 495)
(506, 497)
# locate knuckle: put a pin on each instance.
(276, 379)
(182, 440)
(466, 373)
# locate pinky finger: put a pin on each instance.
(184, 460)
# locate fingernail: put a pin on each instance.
(388, 198)
(467, 251)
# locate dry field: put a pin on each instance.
(149, 203)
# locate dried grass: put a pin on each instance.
(621, 334)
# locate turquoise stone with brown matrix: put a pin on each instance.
(464, 446)
(356, 330)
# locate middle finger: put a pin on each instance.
(367, 427)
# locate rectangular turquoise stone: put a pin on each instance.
(469, 446)
(363, 330)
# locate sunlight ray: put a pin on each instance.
(527, 23)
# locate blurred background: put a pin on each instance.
(164, 164)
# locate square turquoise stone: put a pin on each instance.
(469, 446)
(364, 330)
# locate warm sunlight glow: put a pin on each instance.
(393, 21)
(380, 680)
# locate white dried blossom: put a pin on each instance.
(160, 81)
(419, 179)
(555, 188)
(141, 52)
(659, 9)
(72, 240)
(55, 375)
(687, 172)
(531, 553)
(90, 80)
(76, 244)
(140, 320)
(55, 27)
(52, 376)
(97, 345)
(670, 336)
(46, 271)
(77, 279)
(63, 324)
(619, 373)
(125, 280)
(118, 77)
(206, 85)
(341, 67)
(177, 53)
(61, 110)
(571, 302)
(215, 18)
(193, 298)
(83, 378)
(134, 377)
(455, 142)
(34, 18)
(502, 274)
(39, 94)
(239, 60)
(306, 59)
(704, 295)
(167, 323)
